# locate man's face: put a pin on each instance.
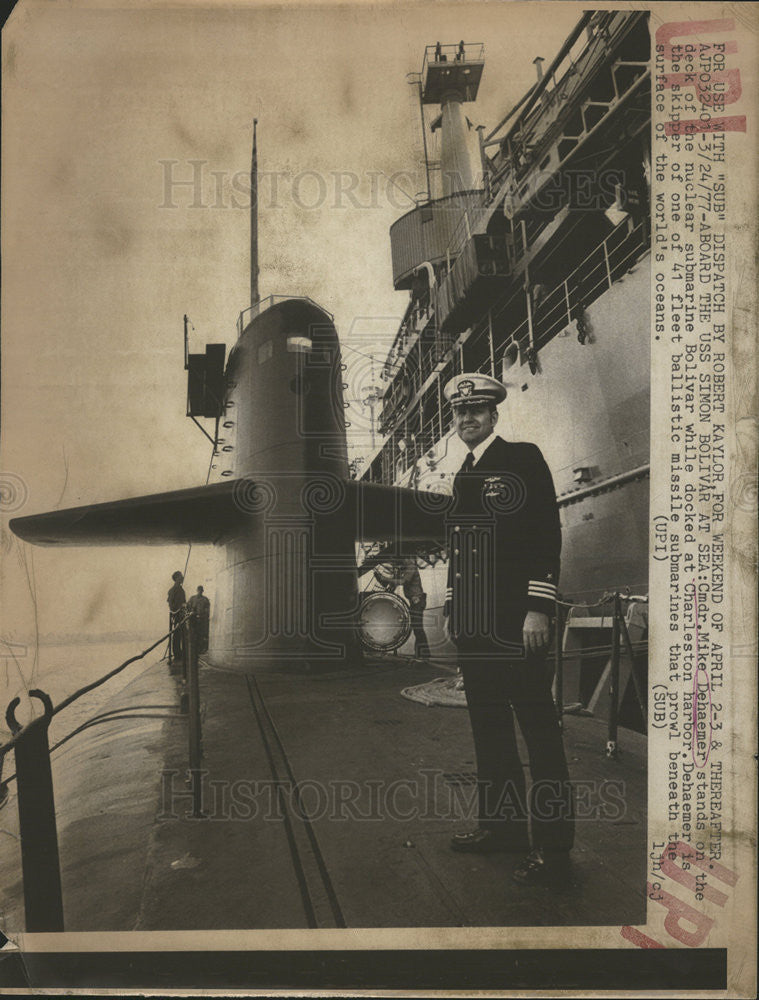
(474, 423)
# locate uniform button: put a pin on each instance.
(457, 552)
(458, 576)
(456, 527)
(474, 552)
(476, 576)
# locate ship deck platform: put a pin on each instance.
(328, 801)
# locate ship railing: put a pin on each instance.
(415, 321)
(598, 272)
(595, 34)
(564, 305)
(466, 52)
(249, 314)
(40, 859)
(622, 647)
(541, 106)
(470, 223)
(567, 302)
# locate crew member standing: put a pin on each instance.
(176, 601)
(200, 608)
(504, 543)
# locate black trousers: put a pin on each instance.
(177, 637)
(497, 690)
(422, 646)
(199, 628)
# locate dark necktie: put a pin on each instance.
(468, 463)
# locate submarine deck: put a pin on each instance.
(329, 801)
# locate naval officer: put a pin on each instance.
(504, 545)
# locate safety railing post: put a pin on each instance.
(640, 692)
(193, 691)
(168, 646)
(606, 262)
(185, 634)
(567, 301)
(611, 745)
(40, 864)
(559, 661)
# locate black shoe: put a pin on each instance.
(481, 841)
(540, 867)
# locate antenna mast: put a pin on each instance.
(424, 140)
(254, 293)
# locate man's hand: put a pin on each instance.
(447, 619)
(535, 631)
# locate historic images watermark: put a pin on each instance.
(14, 493)
(432, 794)
(197, 184)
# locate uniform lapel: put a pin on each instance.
(493, 456)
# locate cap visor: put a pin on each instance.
(474, 401)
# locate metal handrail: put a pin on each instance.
(11, 743)
(466, 226)
(569, 307)
(263, 304)
(41, 874)
(470, 52)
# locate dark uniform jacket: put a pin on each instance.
(200, 606)
(176, 598)
(412, 584)
(504, 546)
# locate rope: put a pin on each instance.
(208, 476)
(97, 720)
(95, 684)
(89, 687)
